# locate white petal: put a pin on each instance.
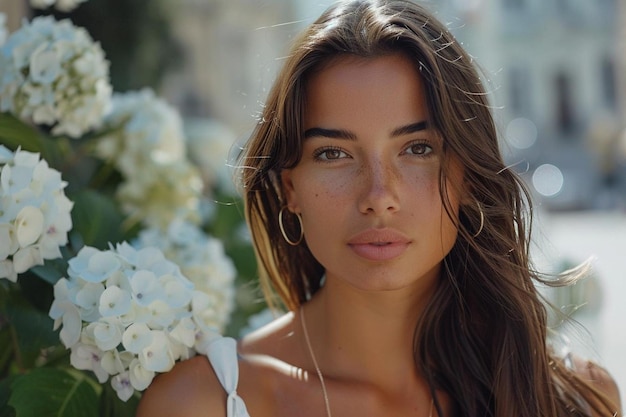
(72, 324)
(7, 271)
(112, 363)
(185, 332)
(146, 288)
(157, 356)
(114, 302)
(9, 243)
(140, 377)
(136, 337)
(122, 386)
(26, 258)
(28, 225)
(107, 335)
(100, 266)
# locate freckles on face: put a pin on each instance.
(367, 185)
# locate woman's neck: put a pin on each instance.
(366, 336)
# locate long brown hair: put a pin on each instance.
(482, 339)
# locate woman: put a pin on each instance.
(384, 219)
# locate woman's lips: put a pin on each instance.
(379, 244)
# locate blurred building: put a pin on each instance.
(552, 66)
(232, 49)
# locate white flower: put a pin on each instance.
(107, 334)
(122, 385)
(87, 300)
(157, 356)
(28, 225)
(210, 145)
(114, 301)
(25, 258)
(115, 362)
(148, 130)
(34, 212)
(88, 357)
(146, 288)
(203, 261)
(70, 319)
(101, 265)
(140, 377)
(185, 332)
(137, 337)
(126, 314)
(53, 73)
(145, 142)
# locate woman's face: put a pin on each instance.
(367, 185)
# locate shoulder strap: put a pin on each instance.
(222, 354)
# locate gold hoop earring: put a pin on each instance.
(482, 220)
(284, 233)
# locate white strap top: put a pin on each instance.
(222, 354)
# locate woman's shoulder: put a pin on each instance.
(191, 388)
(599, 378)
(200, 386)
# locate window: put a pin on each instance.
(609, 87)
(519, 89)
(565, 117)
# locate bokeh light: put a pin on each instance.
(548, 180)
(521, 133)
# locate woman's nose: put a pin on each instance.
(379, 188)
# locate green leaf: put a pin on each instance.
(32, 329)
(5, 390)
(53, 392)
(51, 271)
(6, 351)
(14, 134)
(96, 218)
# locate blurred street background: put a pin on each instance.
(556, 70)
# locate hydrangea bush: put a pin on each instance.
(86, 319)
(202, 260)
(34, 212)
(52, 73)
(145, 141)
(127, 314)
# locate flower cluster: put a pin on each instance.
(146, 144)
(203, 261)
(210, 145)
(127, 314)
(34, 212)
(61, 5)
(53, 73)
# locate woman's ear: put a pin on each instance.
(286, 180)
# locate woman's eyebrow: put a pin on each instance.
(329, 133)
(347, 135)
(411, 128)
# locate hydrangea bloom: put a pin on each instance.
(211, 148)
(126, 314)
(34, 212)
(146, 144)
(203, 261)
(62, 5)
(53, 73)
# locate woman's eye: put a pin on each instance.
(329, 154)
(421, 149)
